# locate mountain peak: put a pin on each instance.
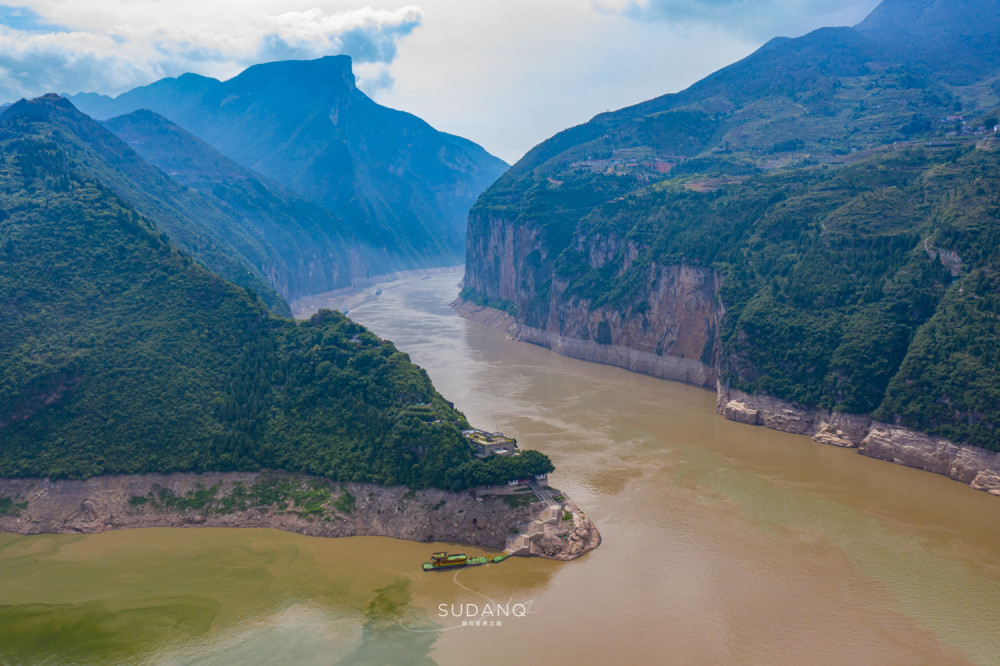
(41, 108)
(925, 17)
(319, 73)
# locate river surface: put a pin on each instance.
(723, 543)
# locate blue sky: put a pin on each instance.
(505, 73)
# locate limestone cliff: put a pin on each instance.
(667, 330)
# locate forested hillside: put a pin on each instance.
(120, 354)
(222, 243)
(305, 249)
(841, 191)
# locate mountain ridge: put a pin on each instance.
(212, 237)
(304, 124)
(309, 249)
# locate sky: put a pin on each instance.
(507, 74)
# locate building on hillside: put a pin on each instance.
(491, 443)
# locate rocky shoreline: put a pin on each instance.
(295, 503)
(974, 466)
(969, 464)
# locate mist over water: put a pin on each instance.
(723, 543)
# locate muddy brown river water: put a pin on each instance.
(723, 543)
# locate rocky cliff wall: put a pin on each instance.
(494, 249)
(645, 362)
(969, 464)
(108, 502)
(667, 329)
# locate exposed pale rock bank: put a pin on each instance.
(107, 502)
(969, 464)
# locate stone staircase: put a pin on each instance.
(521, 544)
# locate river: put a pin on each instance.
(723, 543)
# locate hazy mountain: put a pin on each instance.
(308, 249)
(957, 41)
(305, 124)
(816, 222)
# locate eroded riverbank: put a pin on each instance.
(294, 503)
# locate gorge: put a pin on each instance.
(810, 232)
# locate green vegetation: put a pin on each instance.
(496, 303)
(846, 194)
(308, 498)
(514, 501)
(345, 502)
(223, 242)
(122, 355)
(8, 507)
(834, 295)
(833, 292)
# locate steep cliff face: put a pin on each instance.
(668, 329)
(495, 249)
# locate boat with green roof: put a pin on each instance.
(443, 560)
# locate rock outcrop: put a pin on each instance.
(559, 542)
(969, 464)
(114, 502)
(669, 328)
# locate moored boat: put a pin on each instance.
(456, 561)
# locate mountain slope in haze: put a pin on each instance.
(119, 354)
(957, 41)
(222, 243)
(399, 183)
(818, 222)
(308, 249)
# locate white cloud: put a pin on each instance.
(504, 73)
(109, 46)
(511, 73)
(761, 19)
